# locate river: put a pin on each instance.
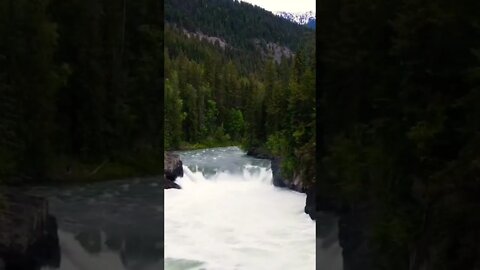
(114, 225)
(227, 216)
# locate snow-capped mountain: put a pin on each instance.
(302, 18)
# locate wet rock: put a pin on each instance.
(170, 184)
(278, 179)
(297, 184)
(28, 234)
(259, 153)
(173, 166)
(310, 203)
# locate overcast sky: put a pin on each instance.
(285, 5)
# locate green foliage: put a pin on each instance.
(400, 127)
(235, 124)
(82, 80)
(346, 165)
(237, 22)
(226, 100)
(29, 80)
(174, 115)
(236, 94)
(89, 92)
(211, 117)
(277, 143)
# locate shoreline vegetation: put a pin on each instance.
(72, 172)
(80, 103)
(401, 119)
(185, 146)
(240, 91)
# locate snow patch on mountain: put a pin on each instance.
(301, 18)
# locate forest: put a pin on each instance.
(81, 86)
(399, 90)
(235, 21)
(80, 89)
(235, 95)
(397, 117)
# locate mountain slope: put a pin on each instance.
(239, 23)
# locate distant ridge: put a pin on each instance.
(237, 23)
(302, 18)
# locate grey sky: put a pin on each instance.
(284, 5)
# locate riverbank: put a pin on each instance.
(71, 171)
(223, 191)
(185, 146)
(108, 224)
(279, 180)
(28, 232)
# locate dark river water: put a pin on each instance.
(109, 225)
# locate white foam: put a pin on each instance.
(237, 221)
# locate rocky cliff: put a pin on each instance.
(294, 184)
(28, 233)
(173, 168)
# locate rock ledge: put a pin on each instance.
(173, 168)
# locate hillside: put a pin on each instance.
(79, 87)
(238, 94)
(401, 122)
(238, 23)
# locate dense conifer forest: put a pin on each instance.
(401, 128)
(80, 88)
(235, 21)
(235, 94)
(81, 84)
(399, 121)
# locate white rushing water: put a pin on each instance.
(229, 216)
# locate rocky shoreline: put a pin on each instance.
(352, 222)
(280, 181)
(28, 233)
(353, 231)
(173, 168)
